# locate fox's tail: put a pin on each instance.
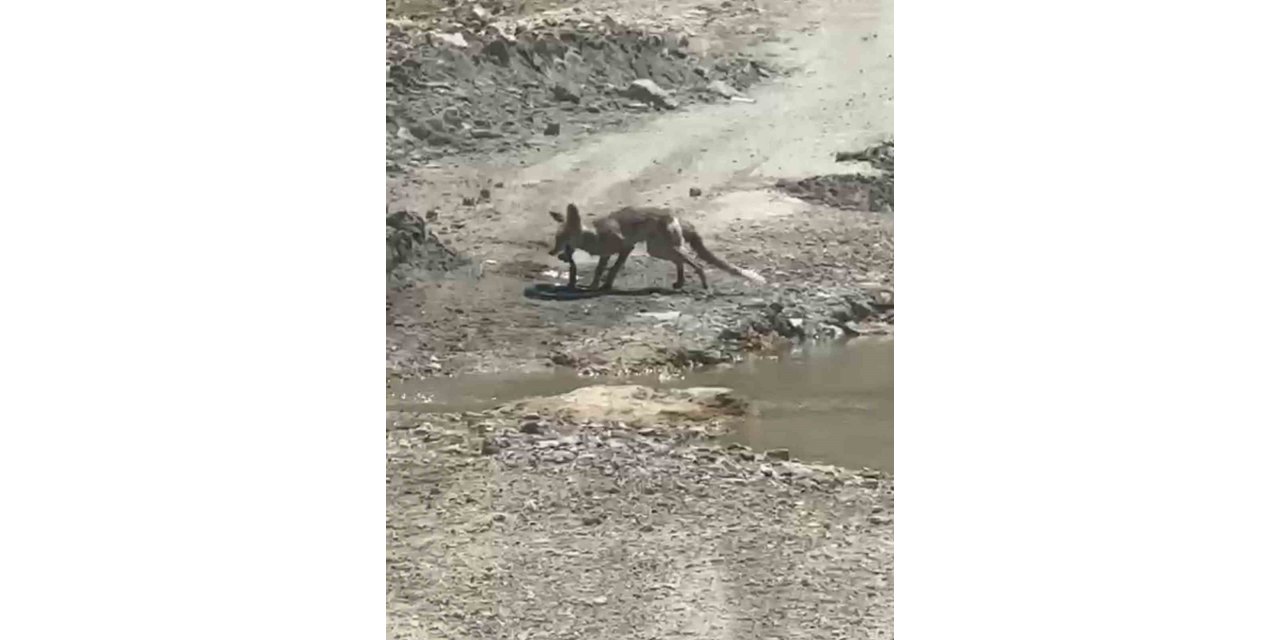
(703, 252)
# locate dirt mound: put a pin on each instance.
(637, 405)
(844, 191)
(481, 89)
(409, 242)
(857, 192)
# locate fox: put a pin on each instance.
(618, 233)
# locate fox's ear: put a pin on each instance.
(555, 215)
(572, 210)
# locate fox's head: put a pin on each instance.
(568, 232)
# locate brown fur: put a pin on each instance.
(618, 233)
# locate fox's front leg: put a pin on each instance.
(600, 267)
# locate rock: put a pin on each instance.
(489, 447)
(722, 88)
(553, 129)
(499, 51)
(468, 202)
(484, 194)
(420, 132)
(566, 93)
(859, 310)
(846, 156)
(451, 117)
(484, 134)
(441, 139)
(851, 329)
(592, 521)
(562, 456)
(660, 316)
(778, 454)
(454, 39)
(648, 91)
(533, 426)
(694, 192)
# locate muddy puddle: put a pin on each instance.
(831, 403)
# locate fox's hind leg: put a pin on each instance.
(670, 254)
(697, 268)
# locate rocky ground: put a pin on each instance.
(511, 524)
(768, 124)
(476, 79)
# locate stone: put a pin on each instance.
(778, 454)
(723, 89)
(419, 132)
(561, 456)
(498, 51)
(454, 39)
(533, 426)
(440, 139)
(566, 93)
(485, 134)
(859, 310)
(553, 129)
(648, 91)
(592, 521)
(694, 192)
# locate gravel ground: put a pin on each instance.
(509, 526)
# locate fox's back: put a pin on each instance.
(637, 224)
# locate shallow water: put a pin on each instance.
(831, 404)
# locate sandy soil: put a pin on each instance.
(588, 525)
